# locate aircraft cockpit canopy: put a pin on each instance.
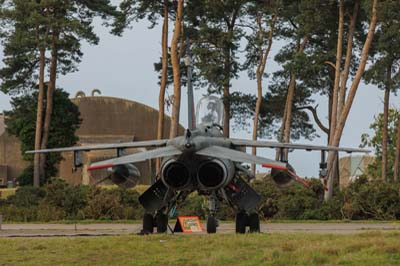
(210, 111)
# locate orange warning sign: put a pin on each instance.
(188, 224)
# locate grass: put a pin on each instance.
(372, 248)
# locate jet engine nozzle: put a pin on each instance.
(126, 175)
(283, 178)
(215, 173)
(175, 174)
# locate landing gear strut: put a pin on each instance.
(212, 222)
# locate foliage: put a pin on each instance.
(57, 200)
(386, 53)
(29, 26)
(243, 106)
(27, 196)
(375, 141)
(21, 122)
(372, 200)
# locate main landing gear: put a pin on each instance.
(243, 219)
(158, 221)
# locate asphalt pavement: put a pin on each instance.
(49, 230)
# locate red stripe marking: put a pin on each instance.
(299, 179)
(274, 166)
(98, 167)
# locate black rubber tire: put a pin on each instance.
(148, 223)
(161, 222)
(254, 222)
(241, 221)
(211, 225)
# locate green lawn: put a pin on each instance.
(372, 248)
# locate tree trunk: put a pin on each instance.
(49, 101)
(339, 52)
(176, 71)
(290, 97)
(163, 85)
(259, 73)
(335, 141)
(226, 92)
(335, 92)
(385, 130)
(256, 115)
(282, 131)
(39, 120)
(347, 63)
(397, 153)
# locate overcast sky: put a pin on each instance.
(123, 67)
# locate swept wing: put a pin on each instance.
(136, 157)
(271, 144)
(136, 144)
(238, 156)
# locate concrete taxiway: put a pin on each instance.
(49, 230)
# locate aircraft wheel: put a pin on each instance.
(211, 225)
(162, 222)
(241, 219)
(148, 223)
(254, 222)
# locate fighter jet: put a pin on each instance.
(201, 160)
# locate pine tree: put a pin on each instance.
(34, 27)
(383, 71)
(264, 15)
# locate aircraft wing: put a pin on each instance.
(272, 144)
(136, 144)
(136, 157)
(238, 156)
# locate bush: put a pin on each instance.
(292, 202)
(103, 205)
(26, 197)
(63, 196)
(11, 213)
(46, 213)
(58, 200)
(372, 200)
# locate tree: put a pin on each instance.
(337, 130)
(21, 122)
(176, 70)
(375, 141)
(218, 35)
(34, 27)
(385, 63)
(270, 117)
(19, 51)
(258, 49)
(135, 10)
(306, 26)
